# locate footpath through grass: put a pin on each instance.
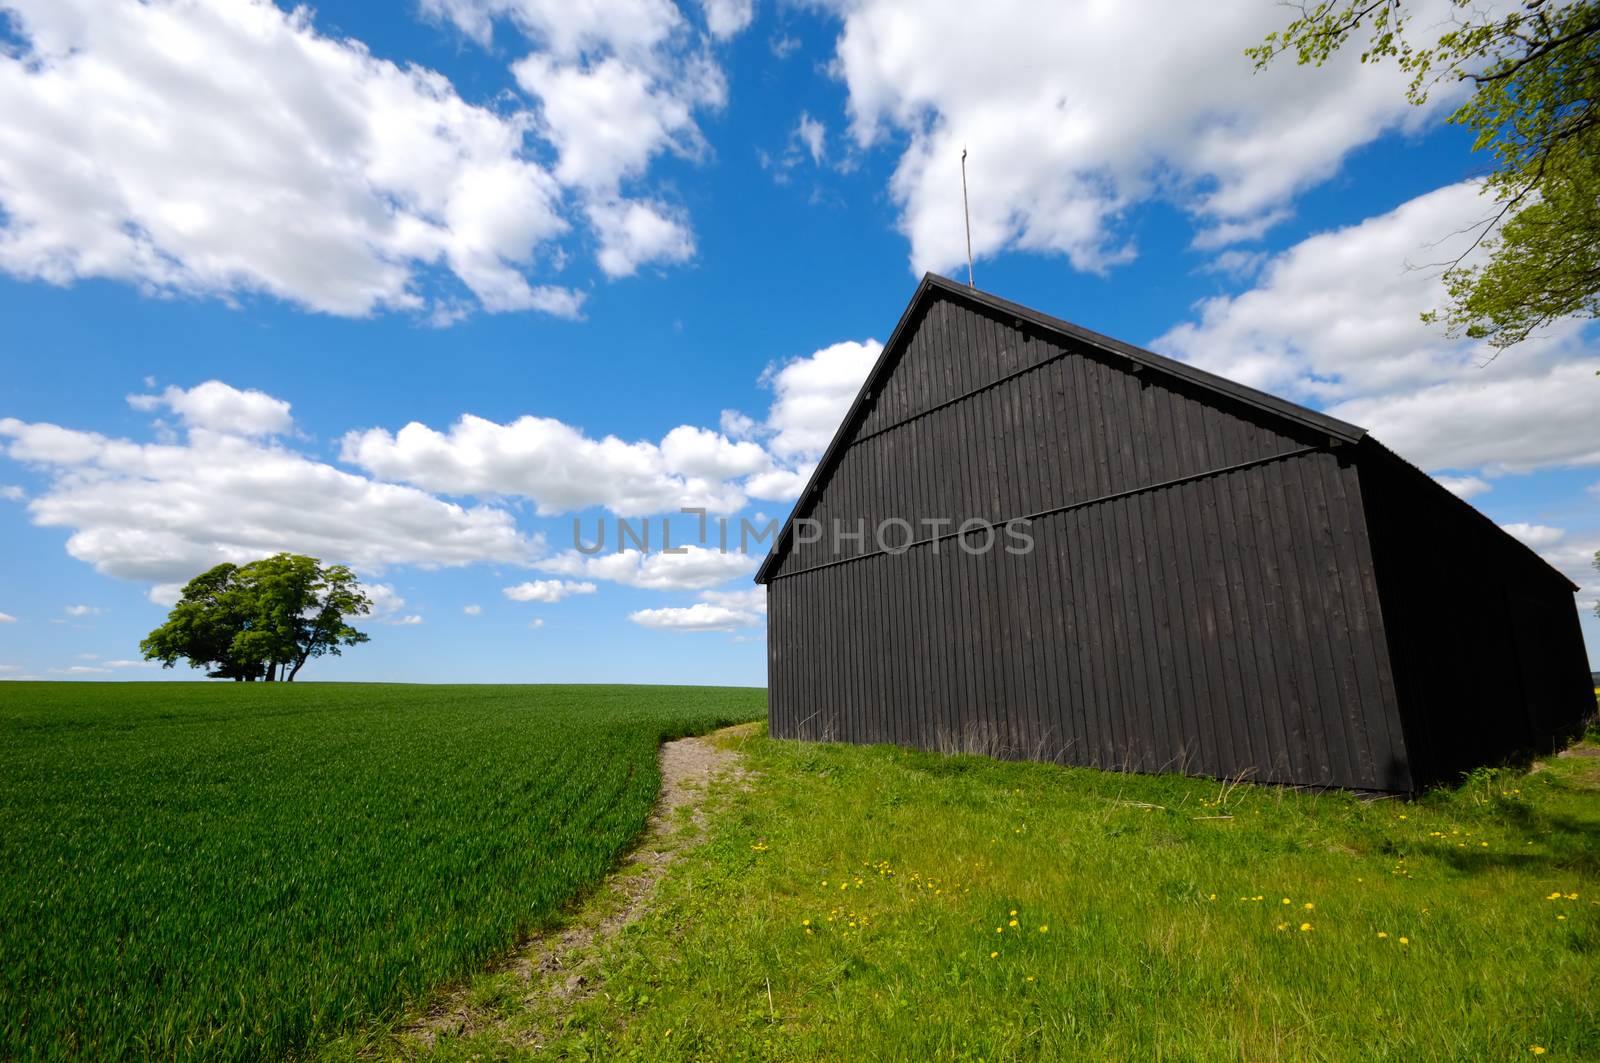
(870, 903)
(242, 870)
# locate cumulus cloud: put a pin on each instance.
(160, 512)
(812, 394)
(1534, 535)
(7, 618)
(715, 611)
(616, 84)
(1464, 487)
(216, 406)
(80, 611)
(724, 18)
(1574, 556)
(12, 493)
(230, 148)
(696, 568)
(547, 591)
(1334, 322)
(1072, 118)
(558, 467)
(701, 616)
(472, 610)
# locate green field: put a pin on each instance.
(243, 870)
(871, 903)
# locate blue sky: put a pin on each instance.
(632, 256)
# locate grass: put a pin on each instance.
(870, 903)
(241, 870)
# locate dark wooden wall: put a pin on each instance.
(1202, 595)
(1488, 655)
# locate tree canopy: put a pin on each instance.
(1534, 71)
(261, 621)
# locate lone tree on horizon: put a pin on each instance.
(261, 621)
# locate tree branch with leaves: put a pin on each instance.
(1534, 107)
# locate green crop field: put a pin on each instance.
(244, 870)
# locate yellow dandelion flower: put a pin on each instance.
(1213, 896)
(1283, 926)
(805, 922)
(1309, 906)
(1030, 978)
(1405, 941)
(999, 930)
(1306, 928)
(1572, 896)
(1383, 933)
(1556, 896)
(992, 955)
(1013, 911)
(1044, 929)
(668, 1033)
(1537, 1050)
(1560, 917)
(1012, 923)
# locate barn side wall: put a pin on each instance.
(1221, 625)
(1488, 655)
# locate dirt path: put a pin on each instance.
(552, 965)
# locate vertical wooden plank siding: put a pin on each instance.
(1214, 588)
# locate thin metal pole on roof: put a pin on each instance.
(967, 214)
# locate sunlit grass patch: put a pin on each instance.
(877, 903)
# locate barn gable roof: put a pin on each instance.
(934, 288)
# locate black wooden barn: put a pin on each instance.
(1222, 583)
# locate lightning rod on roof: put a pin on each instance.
(966, 214)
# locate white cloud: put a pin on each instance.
(81, 610)
(1464, 486)
(715, 611)
(1575, 559)
(536, 623)
(701, 616)
(1073, 115)
(12, 493)
(812, 395)
(696, 568)
(81, 669)
(748, 600)
(161, 512)
(131, 664)
(410, 620)
(7, 618)
(472, 610)
(10, 668)
(724, 18)
(814, 135)
(548, 591)
(220, 408)
(555, 465)
(1334, 321)
(628, 27)
(633, 234)
(229, 148)
(1534, 535)
(617, 85)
